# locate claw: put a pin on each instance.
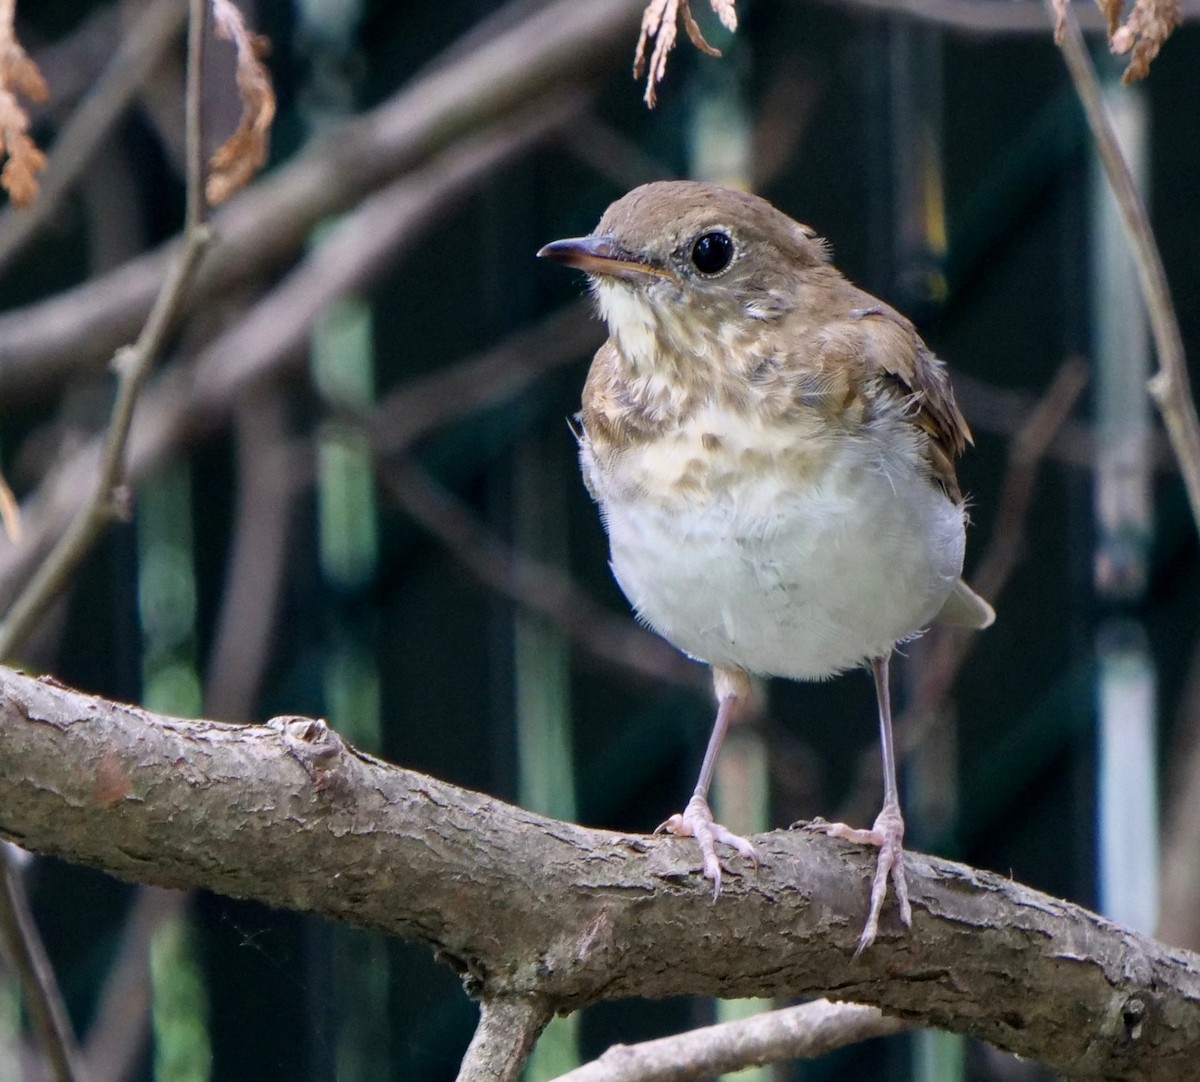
(888, 835)
(697, 822)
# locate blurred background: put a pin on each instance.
(356, 493)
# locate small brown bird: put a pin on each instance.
(773, 452)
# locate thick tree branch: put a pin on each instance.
(290, 815)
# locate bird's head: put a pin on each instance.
(691, 268)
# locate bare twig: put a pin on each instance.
(534, 585)
(1003, 411)
(555, 50)
(187, 401)
(612, 154)
(121, 1026)
(1006, 546)
(268, 484)
(133, 365)
(507, 1031)
(23, 946)
(802, 1032)
(426, 403)
(1169, 386)
(139, 51)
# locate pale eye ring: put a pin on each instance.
(713, 252)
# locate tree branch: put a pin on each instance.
(138, 52)
(507, 1031)
(290, 815)
(803, 1032)
(537, 586)
(555, 48)
(1169, 387)
(133, 365)
(188, 400)
(22, 945)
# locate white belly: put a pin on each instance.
(800, 581)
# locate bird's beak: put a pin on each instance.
(599, 255)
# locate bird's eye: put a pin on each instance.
(712, 252)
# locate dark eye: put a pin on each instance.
(712, 252)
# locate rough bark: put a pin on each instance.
(563, 916)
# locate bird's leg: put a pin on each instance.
(732, 687)
(888, 831)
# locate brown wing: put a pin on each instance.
(889, 348)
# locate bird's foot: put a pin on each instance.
(697, 822)
(888, 835)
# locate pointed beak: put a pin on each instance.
(598, 255)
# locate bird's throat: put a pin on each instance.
(666, 347)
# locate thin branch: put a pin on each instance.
(421, 405)
(803, 1032)
(536, 586)
(292, 816)
(23, 946)
(1169, 386)
(121, 1025)
(133, 365)
(1006, 546)
(189, 400)
(611, 154)
(268, 484)
(507, 1031)
(557, 49)
(139, 51)
(1003, 411)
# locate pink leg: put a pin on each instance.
(696, 821)
(888, 831)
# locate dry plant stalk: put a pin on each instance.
(244, 153)
(1143, 33)
(659, 21)
(18, 74)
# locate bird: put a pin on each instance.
(773, 452)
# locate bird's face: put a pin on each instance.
(680, 267)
